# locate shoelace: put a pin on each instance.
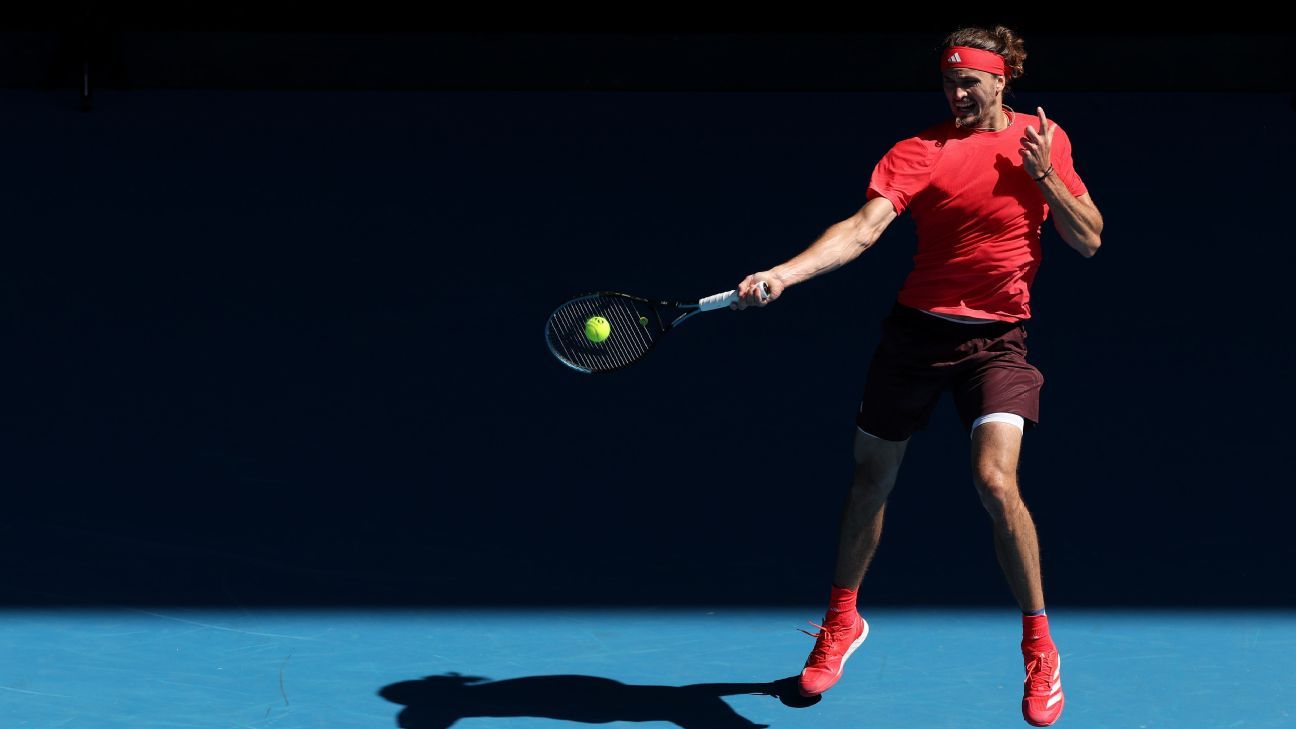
(825, 639)
(1039, 673)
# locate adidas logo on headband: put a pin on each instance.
(953, 59)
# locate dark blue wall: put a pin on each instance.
(268, 347)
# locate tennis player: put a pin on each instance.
(979, 186)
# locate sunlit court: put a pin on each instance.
(715, 668)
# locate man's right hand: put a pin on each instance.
(749, 292)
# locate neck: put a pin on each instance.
(1001, 116)
(1000, 122)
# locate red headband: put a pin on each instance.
(974, 58)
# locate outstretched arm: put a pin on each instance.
(838, 245)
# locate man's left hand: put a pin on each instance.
(1036, 147)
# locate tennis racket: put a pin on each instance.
(634, 325)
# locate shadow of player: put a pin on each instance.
(436, 702)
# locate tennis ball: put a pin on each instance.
(597, 329)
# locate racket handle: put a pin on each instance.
(720, 301)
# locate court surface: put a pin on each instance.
(694, 668)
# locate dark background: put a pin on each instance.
(273, 294)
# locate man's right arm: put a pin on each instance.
(839, 245)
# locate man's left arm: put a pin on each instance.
(1076, 217)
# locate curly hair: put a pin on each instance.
(999, 40)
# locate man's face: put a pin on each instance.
(972, 95)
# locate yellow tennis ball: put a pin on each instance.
(597, 329)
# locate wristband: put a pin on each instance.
(1046, 174)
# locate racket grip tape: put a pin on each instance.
(720, 301)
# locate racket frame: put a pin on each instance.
(710, 303)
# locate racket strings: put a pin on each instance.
(629, 339)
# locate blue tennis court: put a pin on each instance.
(691, 668)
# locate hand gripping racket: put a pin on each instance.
(608, 330)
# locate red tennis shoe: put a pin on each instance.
(1042, 698)
(835, 642)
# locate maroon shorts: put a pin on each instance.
(983, 365)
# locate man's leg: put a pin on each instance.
(877, 462)
(996, 447)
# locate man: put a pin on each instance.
(979, 186)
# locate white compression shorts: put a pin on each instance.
(1009, 418)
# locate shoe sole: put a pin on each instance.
(856, 644)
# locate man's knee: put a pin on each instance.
(995, 449)
(997, 488)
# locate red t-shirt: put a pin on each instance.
(978, 214)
